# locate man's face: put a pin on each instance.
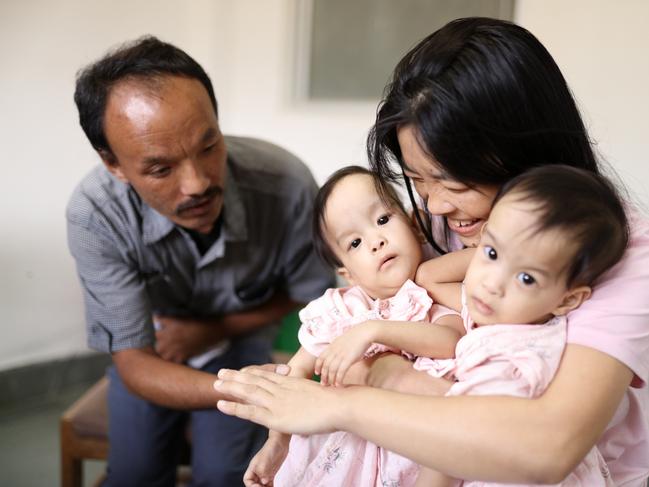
(167, 144)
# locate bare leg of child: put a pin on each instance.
(433, 478)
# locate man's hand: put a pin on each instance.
(348, 348)
(178, 339)
(266, 463)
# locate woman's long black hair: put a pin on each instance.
(487, 102)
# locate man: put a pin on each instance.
(187, 244)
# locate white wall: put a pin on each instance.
(245, 45)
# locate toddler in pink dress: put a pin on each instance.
(372, 243)
(533, 265)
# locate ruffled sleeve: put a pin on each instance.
(328, 317)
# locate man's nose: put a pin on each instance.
(194, 179)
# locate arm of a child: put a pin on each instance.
(421, 339)
(450, 267)
(266, 463)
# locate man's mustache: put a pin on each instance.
(199, 200)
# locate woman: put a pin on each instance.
(470, 107)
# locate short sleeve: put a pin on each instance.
(615, 320)
(118, 314)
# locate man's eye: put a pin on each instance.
(355, 243)
(525, 279)
(383, 219)
(159, 171)
(490, 252)
(209, 148)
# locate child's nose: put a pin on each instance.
(493, 284)
(378, 244)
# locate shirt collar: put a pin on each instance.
(156, 226)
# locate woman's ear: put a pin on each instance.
(346, 275)
(572, 300)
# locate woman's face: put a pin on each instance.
(465, 208)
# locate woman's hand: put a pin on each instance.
(350, 347)
(284, 404)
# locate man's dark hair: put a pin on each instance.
(581, 203)
(386, 192)
(147, 59)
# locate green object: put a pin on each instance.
(286, 340)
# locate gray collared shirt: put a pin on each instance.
(134, 262)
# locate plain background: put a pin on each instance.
(247, 48)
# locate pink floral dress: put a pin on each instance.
(342, 459)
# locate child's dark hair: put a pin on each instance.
(586, 206)
(386, 192)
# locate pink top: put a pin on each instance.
(514, 360)
(615, 321)
(339, 309)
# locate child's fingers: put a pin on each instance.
(342, 370)
(318, 363)
(324, 367)
(333, 369)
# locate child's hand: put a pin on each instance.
(265, 464)
(333, 363)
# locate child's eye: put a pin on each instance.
(525, 279)
(383, 219)
(355, 243)
(490, 252)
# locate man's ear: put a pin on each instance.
(572, 299)
(346, 275)
(110, 161)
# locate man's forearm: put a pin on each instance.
(246, 321)
(165, 383)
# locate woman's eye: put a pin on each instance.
(526, 279)
(452, 189)
(383, 219)
(355, 243)
(490, 252)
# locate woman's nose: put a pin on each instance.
(194, 179)
(436, 203)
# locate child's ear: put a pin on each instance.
(345, 274)
(572, 300)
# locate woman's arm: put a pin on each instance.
(501, 439)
